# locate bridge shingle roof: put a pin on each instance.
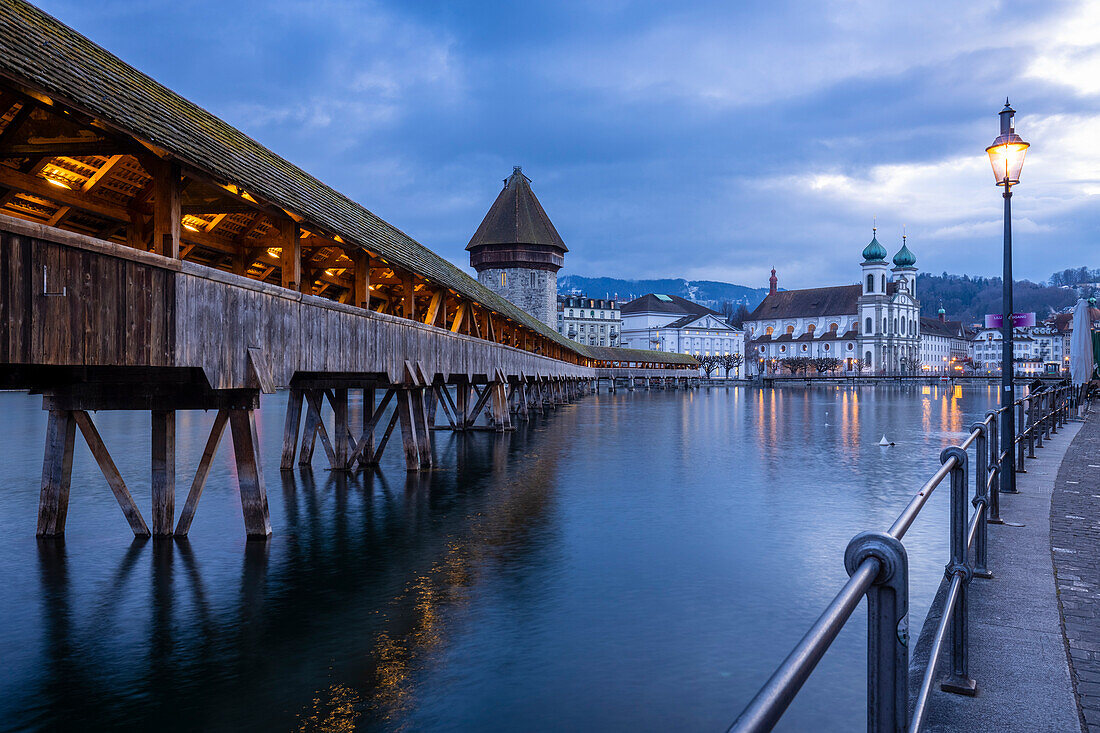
(39, 52)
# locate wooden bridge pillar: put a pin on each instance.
(69, 409)
(164, 472)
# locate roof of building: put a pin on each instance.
(688, 320)
(874, 251)
(661, 303)
(837, 300)
(946, 329)
(517, 217)
(618, 353)
(40, 52)
(904, 257)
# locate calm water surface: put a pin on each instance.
(637, 561)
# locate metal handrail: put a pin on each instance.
(878, 567)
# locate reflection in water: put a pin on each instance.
(606, 556)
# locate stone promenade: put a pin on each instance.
(1075, 544)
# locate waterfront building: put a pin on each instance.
(1026, 358)
(944, 344)
(660, 322)
(592, 321)
(517, 252)
(876, 320)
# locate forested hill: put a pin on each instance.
(705, 292)
(966, 298)
(969, 299)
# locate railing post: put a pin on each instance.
(981, 498)
(959, 680)
(887, 630)
(1032, 404)
(1019, 448)
(1054, 411)
(993, 467)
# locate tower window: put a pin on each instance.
(532, 279)
(502, 281)
(884, 283)
(869, 328)
(870, 283)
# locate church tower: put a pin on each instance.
(905, 269)
(517, 252)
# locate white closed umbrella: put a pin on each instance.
(1080, 344)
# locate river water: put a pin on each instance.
(634, 561)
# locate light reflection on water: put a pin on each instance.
(635, 561)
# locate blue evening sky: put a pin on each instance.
(699, 140)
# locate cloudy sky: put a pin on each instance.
(699, 140)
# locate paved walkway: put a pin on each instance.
(1017, 651)
(1075, 543)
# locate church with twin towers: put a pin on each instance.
(876, 321)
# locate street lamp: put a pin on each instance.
(1006, 155)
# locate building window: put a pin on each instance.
(849, 347)
(826, 347)
(811, 328)
(834, 326)
(769, 330)
(870, 328)
(885, 325)
(790, 329)
(867, 358)
(870, 283)
(884, 283)
(782, 348)
(502, 281)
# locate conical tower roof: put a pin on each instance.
(517, 217)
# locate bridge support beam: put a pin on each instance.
(69, 409)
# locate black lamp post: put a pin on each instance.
(1006, 155)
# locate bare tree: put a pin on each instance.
(708, 363)
(731, 362)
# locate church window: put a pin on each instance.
(869, 327)
(867, 356)
(826, 347)
(903, 325)
(810, 328)
(834, 326)
(502, 281)
(803, 347)
(885, 325)
(884, 283)
(769, 331)
(782, 348)
(790, 329)
(849, 347)
(870, 283)
(532, 279)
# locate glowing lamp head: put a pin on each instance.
(1006, 154)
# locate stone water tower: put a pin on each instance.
(517, 252)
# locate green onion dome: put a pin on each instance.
(874, 251)
(942, 312)
(904, 258)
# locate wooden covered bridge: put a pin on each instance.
(152, 257)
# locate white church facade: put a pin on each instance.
(876, 321)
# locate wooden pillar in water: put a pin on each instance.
(423, 427)
(341, 439)
(409, 430)
(250, 477)
(164, 472)
(290, 429)
(369, 424)
(57, 470)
